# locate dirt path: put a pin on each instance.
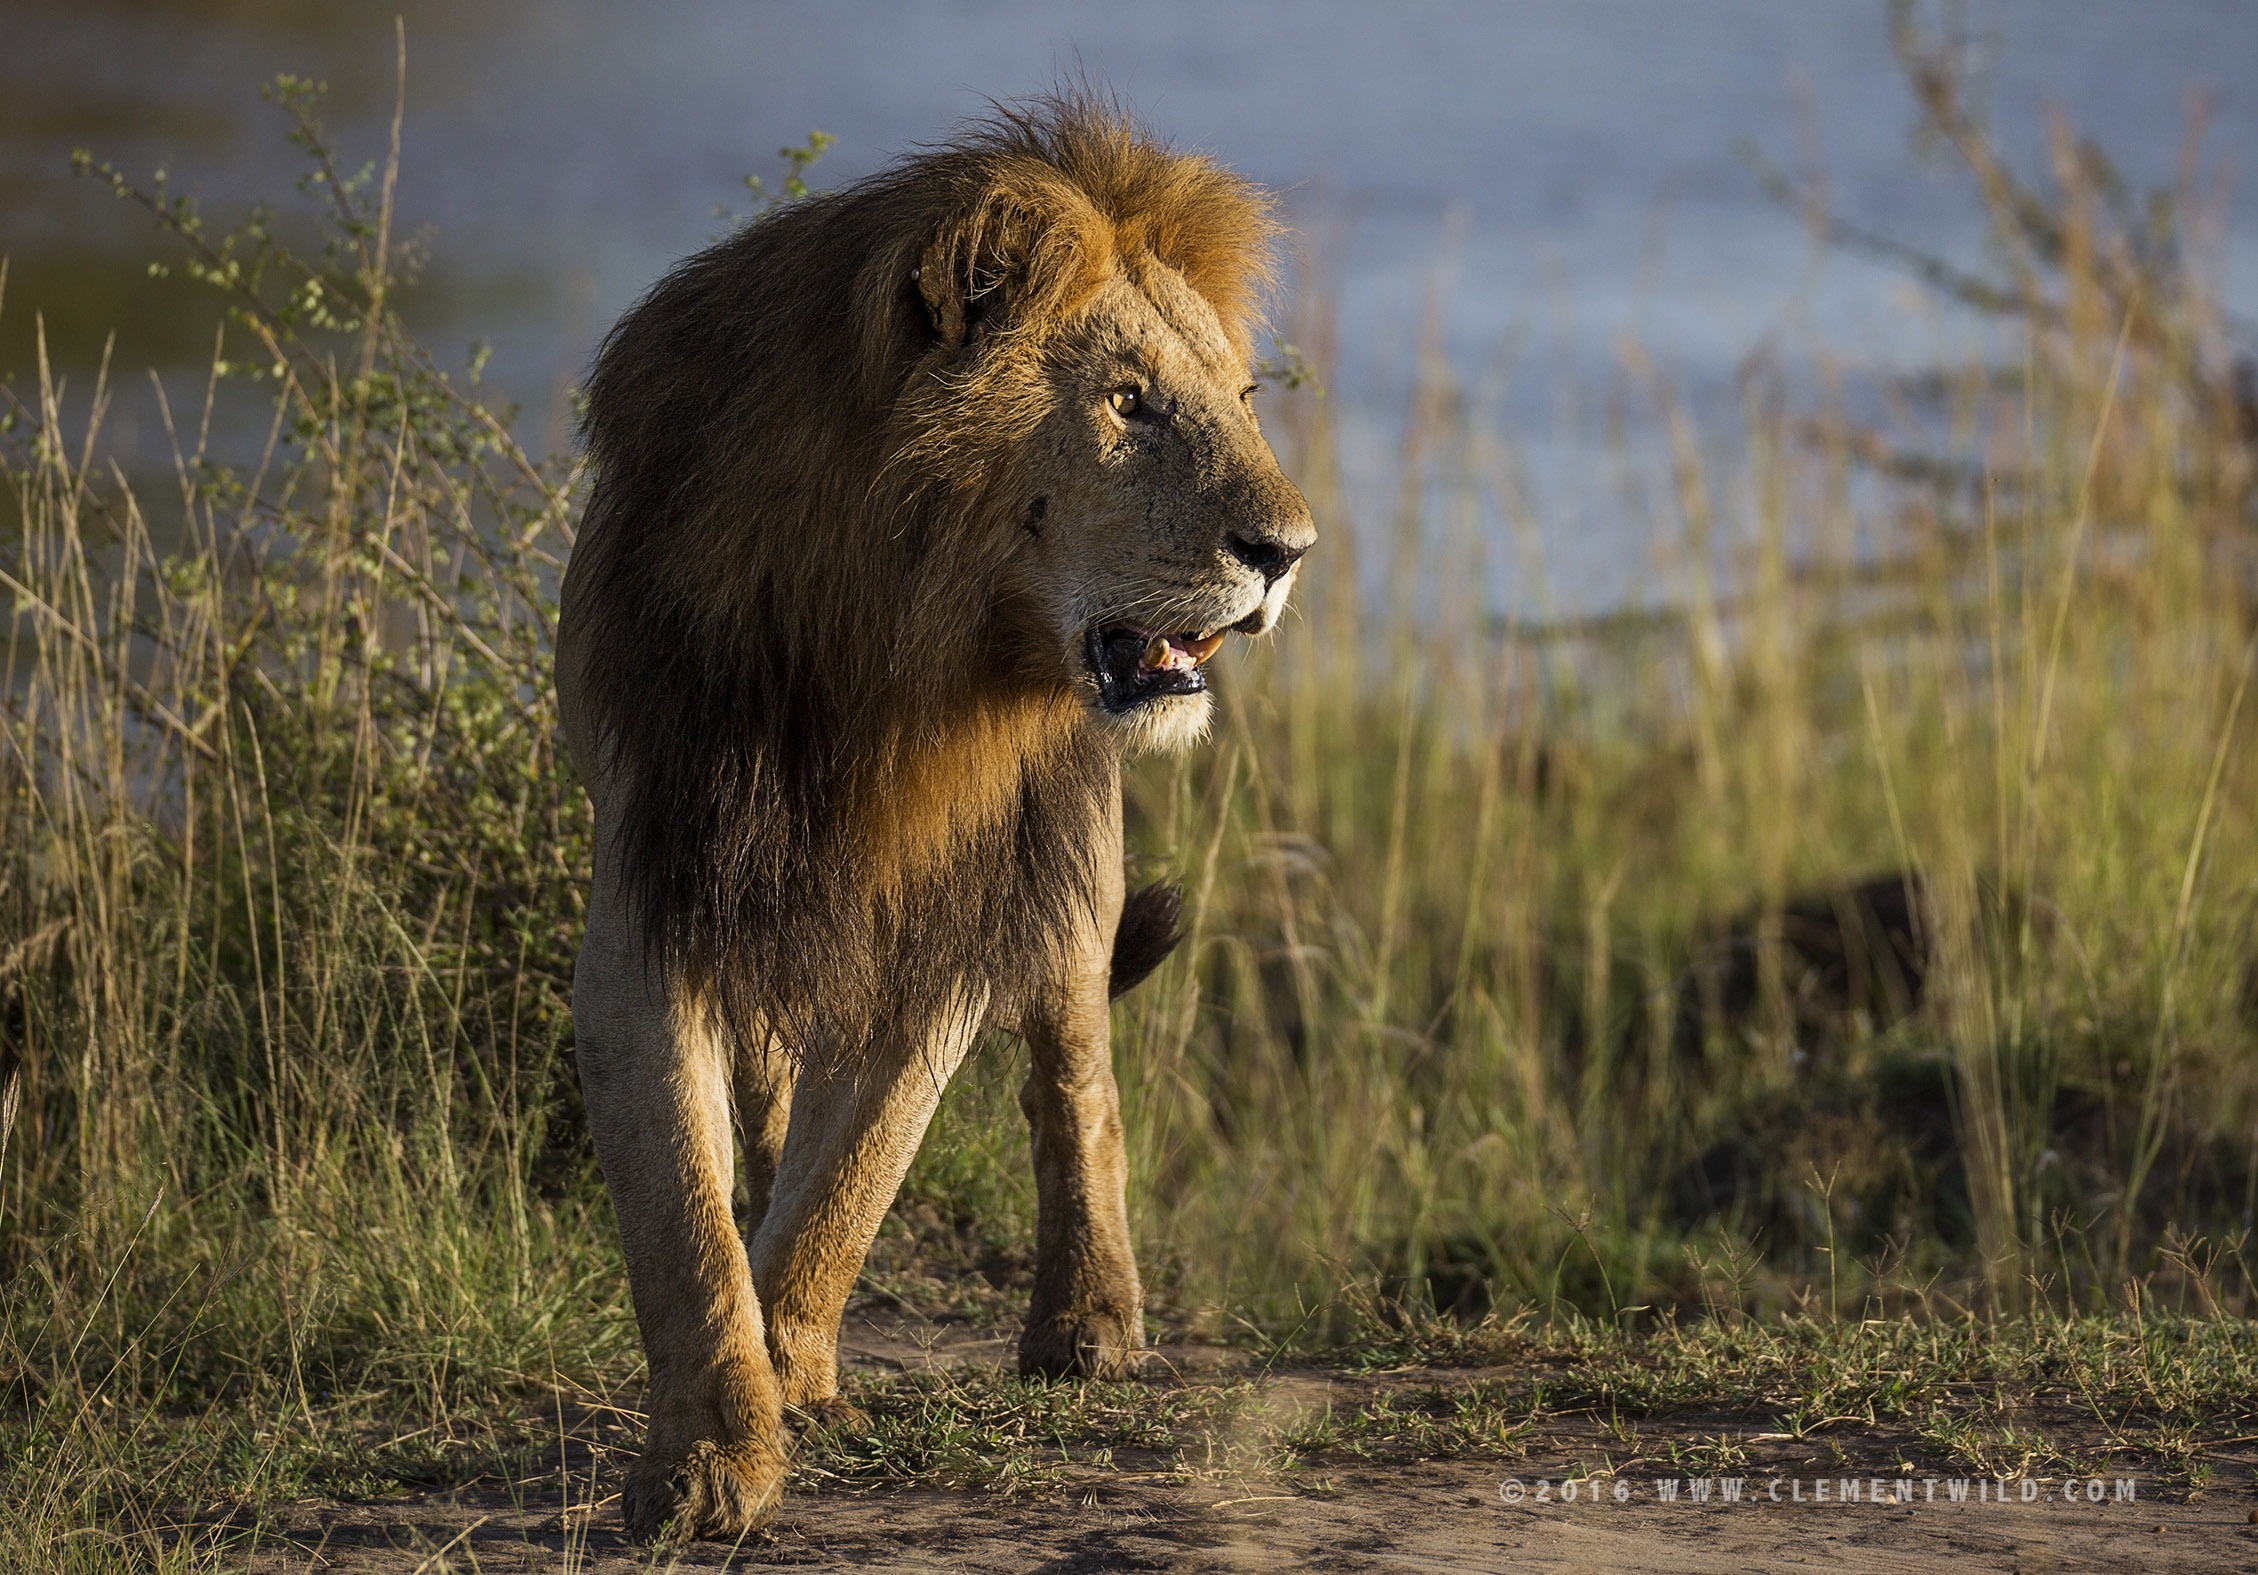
(1783, 1509)
(1438, 1516)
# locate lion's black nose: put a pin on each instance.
(1266, 555)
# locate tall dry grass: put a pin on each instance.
(289, 874)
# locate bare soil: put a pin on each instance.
(1438, 1516)
(1445, 1515)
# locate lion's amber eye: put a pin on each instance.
(1123, 401)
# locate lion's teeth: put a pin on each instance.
(1156, 651)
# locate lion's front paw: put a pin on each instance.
(1091, 1342)
(717, 1492)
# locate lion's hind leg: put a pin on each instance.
(762, 1092)
(858, 1115)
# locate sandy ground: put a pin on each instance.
(1442, 1516)
(1436, 1515)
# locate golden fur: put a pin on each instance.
(886, 484)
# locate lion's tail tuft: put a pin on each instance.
(1147, 934)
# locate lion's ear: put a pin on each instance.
(944, 296)
(969, 287)
(932, 301)
(1010, 261)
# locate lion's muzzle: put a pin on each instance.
(1134, 666)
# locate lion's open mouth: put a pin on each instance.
(1134, 666)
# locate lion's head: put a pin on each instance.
(914, 504)
(1089, 319)
(1163, 520)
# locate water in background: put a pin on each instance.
(1555, 175)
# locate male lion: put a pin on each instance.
(915, 507)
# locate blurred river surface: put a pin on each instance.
(1554, 177)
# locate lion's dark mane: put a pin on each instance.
(791, 572)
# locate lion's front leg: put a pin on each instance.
(1087, 1314)
(657, 1087)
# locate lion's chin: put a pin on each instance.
(1166, 724)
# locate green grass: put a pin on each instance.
(1502, 1037)
(2044, 1397)
(2023, 1396)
